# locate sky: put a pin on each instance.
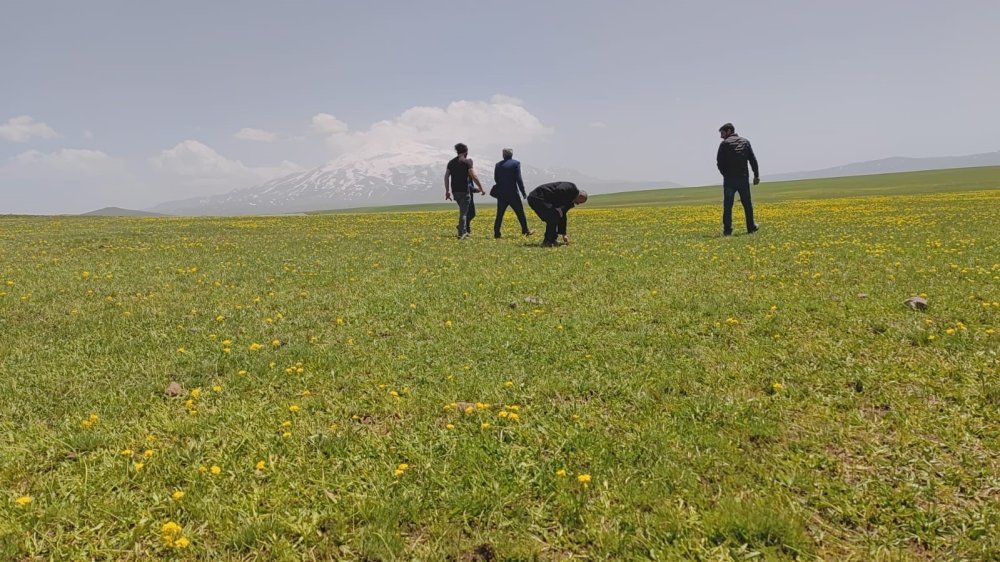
(132, 104)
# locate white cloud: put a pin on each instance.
(23, 128)
(259, 135)
(88, 134)
(480, 124)
(597, 124)
(504, 99)
(326, 123)
(67, 160)
(200, 166)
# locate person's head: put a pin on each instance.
(581, 198)
(508, 153)
(727, 130)
(461, 149)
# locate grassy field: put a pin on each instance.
(365, 387)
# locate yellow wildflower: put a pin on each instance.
(24, 500)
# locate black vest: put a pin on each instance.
(459, 168)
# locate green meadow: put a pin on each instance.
(362, 386)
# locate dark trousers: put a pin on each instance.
(514, 202)
(466, 211)
(731, 185)
(554, 224)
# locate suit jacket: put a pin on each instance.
(556, 195)
(507, 176)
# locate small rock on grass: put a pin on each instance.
(916, 303)
(532, 299)
(174, 389)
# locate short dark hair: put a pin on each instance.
(727, 127)
(461, 148)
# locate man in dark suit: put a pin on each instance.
(507, 177)
(551, 202)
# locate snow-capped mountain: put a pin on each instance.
(400, 174)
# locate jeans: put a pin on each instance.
(554, 224)
(731, 185)
(466, 211)
(514, 202)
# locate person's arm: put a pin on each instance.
(718, 160)
(520, 182)
(496, 174)
(753, 164)
(475, 178)
(561, 229)
(447, 185)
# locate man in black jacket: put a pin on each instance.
(734, 154)
(507, 177)
(551, 202)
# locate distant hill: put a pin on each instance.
(903, 183)
(119, 212)
(895, 164)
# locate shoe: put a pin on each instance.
(549, 244)
(463, 236)
(725, 233)
(528, 233)
(496, 236)
(754, 229)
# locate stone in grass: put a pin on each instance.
(532, 299)
(916, 303)
(513, 304)
(862, 295)
(174, 389)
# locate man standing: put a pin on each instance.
(734, 153)
(507, 177)
(551, 202)
(458, 180)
